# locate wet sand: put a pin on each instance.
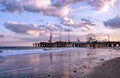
(74, 63)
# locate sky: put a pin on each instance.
(23, 22)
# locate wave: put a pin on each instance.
(8, 52)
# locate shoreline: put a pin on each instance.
(12, 52)
(76, 63)
(22, 51)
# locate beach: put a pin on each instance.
(67, 63)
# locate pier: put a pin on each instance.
(91, 41)
(77, 44)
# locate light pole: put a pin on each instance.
(68, 34)
(108, 37)
(51, 37)
(60, 33)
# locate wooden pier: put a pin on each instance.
(77, 44)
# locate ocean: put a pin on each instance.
(7, 51)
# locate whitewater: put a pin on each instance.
(11, 52)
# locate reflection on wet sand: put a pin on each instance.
(75, 63)
(107, 69)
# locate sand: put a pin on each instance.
(74, 63)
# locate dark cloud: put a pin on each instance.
(32, 29)
(60, 8)
(2, 36)
(37, 6)
(60, 3)
(56, 27)
(86, 21)
(63, 28)
(113, 23)
(22, 28)
(86, 24)
(101, 5)
(11, 6)
(51, 27)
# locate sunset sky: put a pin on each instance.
(23, 22)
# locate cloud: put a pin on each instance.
(85, 24)
(48, 10)
(44, 7)
(2, 36)
(32, 29)
(58, 12)
(101, 5)
(51, 27)
(22, 28)
(87, 21)
(67, 21)
(87, 28)
(81, 8)
(113, 23)
(11, 6)
(60, 8)
(97, 5)
(63, 28)
(56, 27)
(27, 5)
(60, 3)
